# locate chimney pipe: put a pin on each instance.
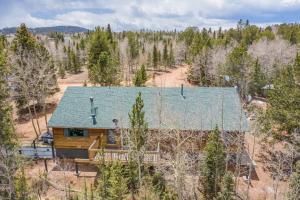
(92, 106)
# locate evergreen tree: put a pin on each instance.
(213, 166)
(155, 57)
(138, 133)
(8, 154)
(137, 81)
(159, 184)
(133, 45)
(105, 71)
(33, 73)
(117, 183)
(98, 43)
(22, 189)
(293, 37)
(131, 173)
(227, 188)
(297, 67)
(143, 73)
(81, 44)
(149, 60)
(284, 109)
(258, 80)
(171, 61)
(61, 71)
(23, 41)
(103, 64)
(6, 123)
(294, 184)
(237, 62)
(109, 33)
(165, 55)
(73, 62)
(140, 77)
(159, 59)
(103, 180)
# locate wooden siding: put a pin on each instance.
(60, 141)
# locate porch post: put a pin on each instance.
(76, 168)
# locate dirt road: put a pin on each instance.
(172, 78)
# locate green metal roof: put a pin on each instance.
(198, 109)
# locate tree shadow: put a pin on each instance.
(24, 116)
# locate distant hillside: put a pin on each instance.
(45, 30)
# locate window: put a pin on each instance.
(74, 132)
(111, 136)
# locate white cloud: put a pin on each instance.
(152, 14)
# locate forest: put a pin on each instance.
(263, 63)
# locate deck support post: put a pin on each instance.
(46, 166)
(76, 169)
(53, 153)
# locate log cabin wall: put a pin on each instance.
(63, 142)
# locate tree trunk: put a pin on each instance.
(32, 121)
(45, 114)
(140, 172)
(37, 119)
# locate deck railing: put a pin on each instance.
(95, 154)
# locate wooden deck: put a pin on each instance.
(121, 155)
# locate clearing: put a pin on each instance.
(261, 186)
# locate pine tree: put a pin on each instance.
(6, 123)
(171, 60)
(258, 80)
(159, 184)
(22, 43)
(137, 81)
(140, 77)
(294, 184)
(284, 109)
(297, 67)
(105, 71)
(155, 57)
(138, 133)
(22, 186)
(109, 33)
(33, 73)
(74, 62)
(149, 60)
(143, 73)
(98, 43)
(293, 37)
(237, 62)
(117, 183)
(8, 154)
(133, 45)
(212, 168)
(104, 174)
(61, 71)
(131, 173)
(103, 63)
(227, 188)
(165, 55)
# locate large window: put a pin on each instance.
(74, 132)
(111, 136)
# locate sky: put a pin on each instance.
(147, 14)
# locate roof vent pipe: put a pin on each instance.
(92, 106)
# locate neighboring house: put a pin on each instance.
(90, 118)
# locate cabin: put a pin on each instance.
(90, 120)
